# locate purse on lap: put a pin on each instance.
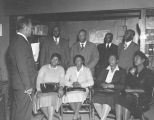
(49, 87)
(75, 89)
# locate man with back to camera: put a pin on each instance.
(87, 49)
(22, 71)
(127, 49)
(55, 44)
(105, 50)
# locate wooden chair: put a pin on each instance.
(86, 108)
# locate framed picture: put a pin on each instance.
(0, 29)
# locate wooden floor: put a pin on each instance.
(69, 117)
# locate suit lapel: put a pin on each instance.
(115, 76)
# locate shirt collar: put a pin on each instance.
(108, 44)
(84, 44)
(19, 33)
(52, 67)
(56, 39)
(109, 68)
(80, 69)
(128, 43)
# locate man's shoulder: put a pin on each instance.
(76, 44)
(135, 44)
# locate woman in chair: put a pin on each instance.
(51, 73)
(109, 84)
(139, 78)
(77, 77)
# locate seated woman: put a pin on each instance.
(50, 73)
(78, 76)
(140, 78)
(109, 84)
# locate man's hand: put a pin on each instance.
(29, 91)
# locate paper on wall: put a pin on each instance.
(97, 36)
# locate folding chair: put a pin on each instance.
(87, 107)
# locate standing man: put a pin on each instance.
(55, 44)
(87, 49)
(105, 50)
(127, 49)
(22, 71)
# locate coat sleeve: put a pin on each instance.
(22, 59)
(43, 53)
(94, 57)
(100, 79)
(39, 79)
(89, 79)
(67, 81)
(121, 83)
(72, 56)
(67, 55)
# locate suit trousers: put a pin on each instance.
(22, 106)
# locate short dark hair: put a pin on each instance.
(82, 30)
(79, 56)
(109, 33)
(21, 22)
(56, 55)
(142, 55)
(132, 31)
(115, 55)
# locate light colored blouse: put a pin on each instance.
(110, 74)
(83, 76)
(48, 74)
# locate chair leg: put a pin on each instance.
(61, 112)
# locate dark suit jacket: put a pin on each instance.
(90, 54)
(49, 47)
(104, 54)
(118, 79)
(22, 68)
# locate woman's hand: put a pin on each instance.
(110, 86)
(76, 84)
(132, 71)
(60, 92)
(104, 85)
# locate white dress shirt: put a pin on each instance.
(110, 74)
(108, 44)
(126, 45)
(83, 44)
(56, 39)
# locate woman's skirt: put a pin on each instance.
(75, 96)
(48, 99)
(105, 98)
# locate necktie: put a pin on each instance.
(107, 46)
(82, 46)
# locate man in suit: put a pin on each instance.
(127, 49)
(105, 50)
(87, 49)
(55, 44)
(22, 71)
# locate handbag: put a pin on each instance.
(75, 89)
(49, 87)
